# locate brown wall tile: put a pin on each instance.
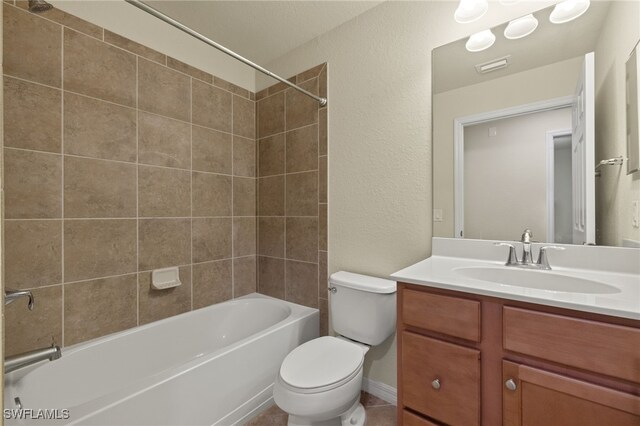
(230, 87)
(97, 69)
(322, 83)
(98, 188)
(244, 276)
(302, 149)
(302, 194)
(132, 46)
(262, 94)
(163, 141)
(33, 185)
(212, 283)
(271, 236)
(99, 307)
(244, 196)
(98, 129)
(271, 115)
(188, 69)
(323, 275)
(271, 277)
(163, 91)
(271, 199)
(211, 106)
(155, 304)
(244, 157)
(322, 131)
(323, 306)
(36, 57)
(212, 151)
(28, 330)
(302, 238)
(322, 228)
(73, 22)
(244, 236)
(301, 109)
(163, 192)
(163, 243)
(310, 73)
(244, 119)
(33, 253)
(211, 195)
(211, 239)
(322, 179)
(271, 155)
(302, 283)
(99, 248)
(32, 115)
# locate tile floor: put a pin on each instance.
(379, 413)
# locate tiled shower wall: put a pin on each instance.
(120, 160)
(292, 192)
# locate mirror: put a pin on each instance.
(520, 131)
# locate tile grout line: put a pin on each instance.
(62, 295)
(137, 197)
(191, 182)
(284, 96)
(233, 211)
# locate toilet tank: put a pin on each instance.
(362, 308)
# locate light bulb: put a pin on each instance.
(480, 41)
(470, 10)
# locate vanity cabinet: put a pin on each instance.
(466, 359)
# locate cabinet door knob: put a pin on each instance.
(511, 385)
(436, 384)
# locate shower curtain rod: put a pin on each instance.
(150, 10)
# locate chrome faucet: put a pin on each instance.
(12, 295)
(527, 256)
(26, 359)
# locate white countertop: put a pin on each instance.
(438, 272)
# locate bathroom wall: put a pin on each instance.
(292, 192)
(118, 160)
(379, 95)
(615, 190)
(538, 84)
(1, 209)
(499, 169)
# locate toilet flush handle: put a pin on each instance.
(333, 290)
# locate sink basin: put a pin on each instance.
(539, 280)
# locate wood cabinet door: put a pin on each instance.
(534, 397)
(441, 380)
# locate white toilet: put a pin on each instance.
(319, 382)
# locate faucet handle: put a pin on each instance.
(513, 258)
(542, 256)
(11, 295)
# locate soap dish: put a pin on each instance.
(165, 278)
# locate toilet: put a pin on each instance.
(319, 382)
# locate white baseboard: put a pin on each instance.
(381, 390)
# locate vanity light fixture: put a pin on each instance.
(480, 41)
(568, 10)
(521, 27)
(470, 10)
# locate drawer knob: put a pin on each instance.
(436, 384)
(511, 385)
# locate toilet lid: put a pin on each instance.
(321, 362)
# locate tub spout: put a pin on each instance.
(11, 295)
(26, 359)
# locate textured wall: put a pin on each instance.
(380, 131)
(118, 160)
(292, 192)
(615, 190)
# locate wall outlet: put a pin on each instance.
(437, 215)
(493, 131)
(635, 214)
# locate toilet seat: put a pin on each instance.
(321, 364)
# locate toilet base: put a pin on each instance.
(355, 416)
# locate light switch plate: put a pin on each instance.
(437, 215)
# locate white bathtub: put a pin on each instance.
(216, 365)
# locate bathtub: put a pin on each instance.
(212, 366)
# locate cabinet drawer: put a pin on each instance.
(424, 360)
(443, 314)
(589, 345)
(410, 419)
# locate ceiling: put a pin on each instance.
(454, 66)
(262, 30)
